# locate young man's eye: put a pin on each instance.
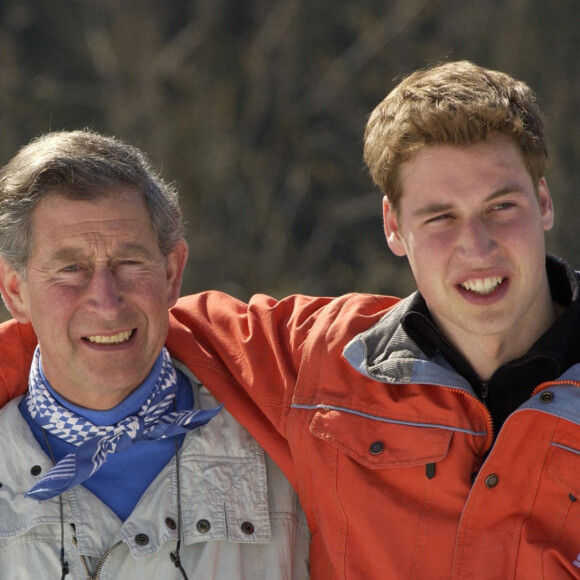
(439, 218)
(503, 206)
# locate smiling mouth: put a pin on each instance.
(119, 338)
(482, 286)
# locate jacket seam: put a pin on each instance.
(386, 420)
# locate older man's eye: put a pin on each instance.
(128, 264)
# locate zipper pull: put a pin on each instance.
(484, 387)
(430, 470)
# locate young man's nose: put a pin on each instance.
(476, 240)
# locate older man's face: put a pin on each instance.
(97, 292)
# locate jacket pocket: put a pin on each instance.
(379, 442)
(564, 468)
(550, 545)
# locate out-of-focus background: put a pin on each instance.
(256, 109)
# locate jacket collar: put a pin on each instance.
(386, 353)
(554, 350)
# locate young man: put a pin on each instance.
(435, 436)
(151, 479)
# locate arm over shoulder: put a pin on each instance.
(250, 355)
(17, 344)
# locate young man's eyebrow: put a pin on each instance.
(435, 207)
(509, 189)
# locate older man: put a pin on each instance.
(117, 463)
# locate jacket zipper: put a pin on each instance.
(98, 569)
(547, 384)
(484, 393)
(483, 408)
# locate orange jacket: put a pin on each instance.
(385, 447)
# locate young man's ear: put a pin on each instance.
(14, 292)
(546, 205)
(392, 231)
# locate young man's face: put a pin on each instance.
(472, 226)
(97, 292)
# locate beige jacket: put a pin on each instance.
(240, 517)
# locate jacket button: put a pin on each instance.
(170, 523)
(377, 448)
(141, 539)
(247, 528)
(491, 480)
(547, 397)
(203, 526)
(36, 470)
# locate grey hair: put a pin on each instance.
(79, 165)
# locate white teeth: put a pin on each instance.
(482, 286)
(113, 339)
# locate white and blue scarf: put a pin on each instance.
(154, 420)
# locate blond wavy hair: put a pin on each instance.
(456, 103)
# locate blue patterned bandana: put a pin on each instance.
(154, 420)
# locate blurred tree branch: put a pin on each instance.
(257, 110)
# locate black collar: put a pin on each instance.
(513, 382)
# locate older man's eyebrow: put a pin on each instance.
(136, 250)
(74, 254)
(68, 254)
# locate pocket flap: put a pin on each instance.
(378, 442)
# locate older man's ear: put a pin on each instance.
(14, 292)
(176, 261)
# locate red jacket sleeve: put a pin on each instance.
(17, 344)
(248, 356)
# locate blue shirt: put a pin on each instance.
(124, 477)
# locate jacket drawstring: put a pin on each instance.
(63, 562)
(175, 557)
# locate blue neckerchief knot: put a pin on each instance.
(154, 420)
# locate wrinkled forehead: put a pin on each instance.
(59, 220)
